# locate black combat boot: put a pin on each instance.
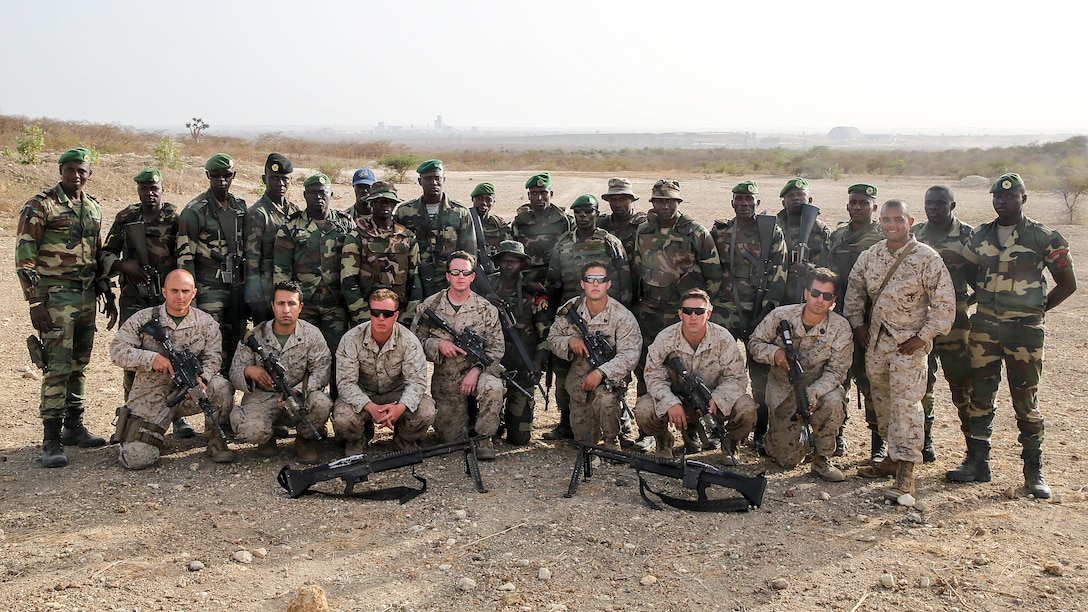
(976, 466)
(760, 430)
(562, 431)
(878, 451)
(75, 434)
(1033, 473)
(840, 442)
(52, 447)
(929, 455)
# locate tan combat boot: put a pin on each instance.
(822, 467)
(485, 450)
(886, 467)
(664, 444)
(268, 449)
(217, 449)
(307, 451)
(904, 482)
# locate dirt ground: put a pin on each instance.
(93, 536)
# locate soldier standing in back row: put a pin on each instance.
(263, 220)
(55, 259)
(623, 222)
(539, 225)
(495, 228)
(802, 259)
(362, 183)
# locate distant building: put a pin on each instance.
(844, 133)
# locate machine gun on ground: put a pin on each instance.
(797, 380)
(272, 364)
(472, 344)
(695, 396)
(692, 475)
(187, 370)
(136, 239)
(358, 468)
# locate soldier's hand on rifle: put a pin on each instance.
(496, 301)
(449, 349)
(162, 365)
(861, 336)
(780, 359)
(713, 407)
(578, 346)
(592, 381)
(40, 318)
(260, 376)
(538, 366)
(678, 417)
(133, 271)
(468, 383)
(910, 345)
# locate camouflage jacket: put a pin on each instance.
(477, 313)
(742, 273)
(717, 360)
(263, 220)
(58, 243)
(918, 299)
(624, 229)
(531, 317)
(826, 352)
(539, 233)
(374, 258)
(1010, 284)
(305, 357)
(668, 264)
(309, 251)
(951, 247)
(200, 235)
(161, 235)
(569, 255)
(496, 229)
(616, 323)
(843, 248)
(438, 237)
(353, 213)
(364, 369)
(817, 242)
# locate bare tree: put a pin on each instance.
(1071, 188)
(196, 126)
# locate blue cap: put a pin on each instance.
(364, 176)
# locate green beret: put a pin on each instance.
(539, 180)
(219, 161)
(586, 200)
(431, 165)
(278, 164)
(747, 187)
(79, 154)
(1006, 182)
(794, 183)
(150, 176)
(865, 190)
(383, 191)
(483, 189)
(316, 179)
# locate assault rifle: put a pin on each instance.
(136, 239)
(800, 254)
(691, 474)
(358, 468)
(695, 396)
(800, 394)
(472, 344)
(600, 353)
(272, 364)
(760, 270)
(187, 371)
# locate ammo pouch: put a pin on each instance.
(37, 351)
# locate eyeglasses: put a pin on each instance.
(595, 279)
(827, 295)
(460, 272)
(693, 310)
(378, 313)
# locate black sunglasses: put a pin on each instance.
(461, 272)
(693, 310)
(827, 295)
(595, 279)
(379, 313)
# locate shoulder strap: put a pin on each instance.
(895, 266)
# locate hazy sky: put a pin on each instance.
(761, 65)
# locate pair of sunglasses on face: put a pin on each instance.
(460, 272)
(827, 295)
(693, 310)
(379, 313)
(595, 279)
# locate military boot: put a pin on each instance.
(52, 447)
(485, 450)
(1033, 474)
(217, 448)
(878, 451)
(690, 436)
(562, 431)
(182, 428)
(886, 467)
(976, 466)
(904, 481)
(929, 455)
(306, 450)
(75, 434)
(760, 430)
(840, 442)
(664, 444)
(267, 449)
(823, 468)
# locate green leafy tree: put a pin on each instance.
(30, 144)
(399, 165)
(168, 154)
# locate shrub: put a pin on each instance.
(30, 144)
(168, 154)
(331, 168)
(400, 165)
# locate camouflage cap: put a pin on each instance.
(539, 180)
(511, 247)
(865, 190)
(431, 165)
(316, 179)
(383, 191)
(219, 161)
(586, 200)
(746, 187)
(278, 164)
(482, 189)
(78, 154)
(666, 189)
(794, 183)
(150, 176)
(363, 176)
(618, 186)
(1006, 182)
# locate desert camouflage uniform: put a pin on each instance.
(624, 229)
(843, 248)
(374, 258)
(451, 422)
(55, 260)
(200, 234)
(825, 354)
(717, 361)
(917, 301)
(306, 361)
(596, 414)
(161, 235)
(539, 233)
(438, 237)
(951, 348)
(149, 417)
(496, 229)
(308, 251)
(395, 372)
(817, 240)
(263, 221)
(532, 318)
(1008, 322)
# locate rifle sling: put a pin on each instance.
(895, 266)
(732, 504)
(733, 277)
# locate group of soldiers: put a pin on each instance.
(596, 301)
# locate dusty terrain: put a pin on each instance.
(95, 537)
